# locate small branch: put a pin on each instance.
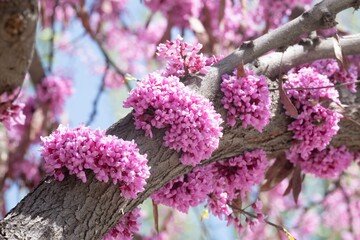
(321, 87)
(98, 95)
(84, 17)
(52, 39)
(299, 54)
(278, 227)
(36, 69)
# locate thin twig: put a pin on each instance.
(52, 39)
(314, 88)
(282, 229)
(98, 95)
(85, 22)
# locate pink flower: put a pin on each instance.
(107, 156)
(239, 174)
(247, 98)
(328, 163)
(316, 125)
(186, 191)
(191, 122)
(183, 58)
(128, 225)
(11, 110)
(314, 129)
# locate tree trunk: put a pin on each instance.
(17, 35)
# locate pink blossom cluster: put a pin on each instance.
(182, 58)
(192, 125)
(316, 124)
(314, 129)
(308, 78)
(238, 174)
(247, 98)
(335, 73)
(220, 183)
(79, 149)
(52, 93)
(328, 163)
(126, 227)
(233, 179)
(11, 110)
(186, 191)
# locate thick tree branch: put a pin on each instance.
(73, 210)
(269, 65)
(17, 35)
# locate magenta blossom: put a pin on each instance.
(191, 122)
(126, 227)
(108, 157)
(247, 98)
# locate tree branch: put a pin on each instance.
(269, 65)
(74, 210)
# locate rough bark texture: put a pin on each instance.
(73, 210)
(17, 35)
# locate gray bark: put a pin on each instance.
(17, 35)
(73, 210)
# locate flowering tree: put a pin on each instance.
(248, 98)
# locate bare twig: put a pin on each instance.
(82, 14)
(52, 39)
(98, 95)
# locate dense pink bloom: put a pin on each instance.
(52, 93)
(234, 178)
(186, 191)
(316, 125)
(247, 98)
(328, 163)
(182, 58)
(238, 174)
(335, 73)
(220, 183)
(218, 204)
(192, 125)
(107, 156)
(124, 230)
(308, 77)
(11, 110)
(314, 128)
